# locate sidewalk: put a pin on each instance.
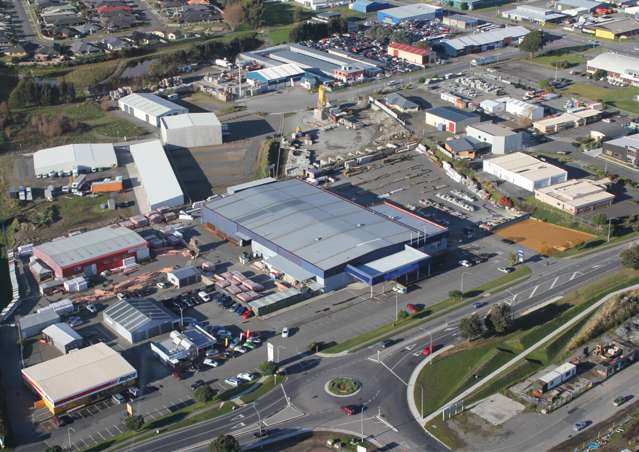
(519, 357)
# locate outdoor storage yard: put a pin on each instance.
(546, 238)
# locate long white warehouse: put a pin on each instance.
(149, 108)
(156, 175)
(618, 68)
(78, 157)
(525, 171)
(191, 130)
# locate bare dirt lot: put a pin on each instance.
(546, 238)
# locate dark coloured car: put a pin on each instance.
(196, 384)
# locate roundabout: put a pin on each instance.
(342, 387)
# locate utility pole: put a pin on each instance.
(609, 228)
(361, 417)
(259, 419)
(397, 304)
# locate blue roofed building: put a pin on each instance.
(368, 6)
(417, 12)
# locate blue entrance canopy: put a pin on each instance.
(389, 267)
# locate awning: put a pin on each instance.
(289, 268)
(389, 267)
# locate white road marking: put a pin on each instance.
(101, 435)
(554, 282)
(574, 275)
(532, 294)
(117, 428)
(240, 425)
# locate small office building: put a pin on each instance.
(576, 196)
(411, 54)
(566, 121)
(502, 140)
(624, 149)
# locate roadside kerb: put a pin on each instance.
(523, 354)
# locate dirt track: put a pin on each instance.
(543, 237)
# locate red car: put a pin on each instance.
(348, 410)
(412, 309)
(247, 314)
(426, 350)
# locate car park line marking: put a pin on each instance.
(532, 294)
(109, 431)
(117, 428)
(101, 435)
(554, 282)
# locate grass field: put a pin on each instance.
(547, 238)
(455, 371)
(279, 35)
(96, 126)
(621, 98)
(571, 56)
(277, 14)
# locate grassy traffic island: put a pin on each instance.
(458, 369)
(316, 440)
(408, 321)
(343, 386)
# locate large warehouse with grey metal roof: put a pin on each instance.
(138, 319)
(313, 234)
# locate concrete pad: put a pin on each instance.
(497, 409)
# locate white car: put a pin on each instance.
(505, 269)
(465, 263)
(122, 296)
(204, 296)
(162, 285)
(211, 362)
(92, 308)
(232, 381)
(246, 376)
(285, 332)
(241, 350)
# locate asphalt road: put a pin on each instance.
(384, 384)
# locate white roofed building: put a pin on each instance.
(74, 157)
(525, 171)
(576, 196)
(191, 130)
(149, 107)
(156, 174)
(487, 40)
(619, 68)
(275, 75)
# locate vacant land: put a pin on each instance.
(564, 58)
(546, 238)
(621, 98)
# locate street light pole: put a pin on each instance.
(397, 305)
(361, 416)
(69, 435)
(259, 419)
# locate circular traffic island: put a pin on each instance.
(343, 387)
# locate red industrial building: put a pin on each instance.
(92, 252)
(414, 55)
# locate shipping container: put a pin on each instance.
(113, 186)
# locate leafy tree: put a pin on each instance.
(599, 74)
(225, 443)
(203, 394)
(544, 84)
(455, 295)
(403, 315)
(513, 259)
(500, 318)
(314, 347)
(470, 327)
(630, 257)
(268, 368)
(134, 423)
(600, 219)
(532, 42)
(234, 14)
(253, 12)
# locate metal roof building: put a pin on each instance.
(156, 174)
(277, 74)
(525, 171)
(191, 130)
(450, 119)
(62, 337)
(619, 67)
(409, 13)
(576, 196)
(149, 107)
(33, 324)
(533, 14)
(81, 157)
(487, 40)
(73, 379)
(314, 232)
(139, 319)
(93, 251)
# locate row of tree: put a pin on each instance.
(31, 92)
(308, 31)
(241, 12)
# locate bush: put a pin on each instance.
(455, 295)
(203, 394)
(630, 257)
(403, 315)
(224, 443)
(268, 368)
(134, 423)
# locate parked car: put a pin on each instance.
(162, 285)
(426, 350)
(92, 308)
(285, 332)
(232, 381)
(247, 376)
(247, 314)
(204, 296)
(240, 349)
(384, 344)
(118, 398)
(211, 362)
(579, 426)
(465, 263)
(505, 269)
(74, 321)
(412, 309)
(349, 410)
(135, 392)
(255, 340)
(478, 304)
(122, 296)
(241, 311)
(196, 384)
(249, 345)
(620, 400)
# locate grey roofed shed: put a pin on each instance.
(138, 319)
(84, 156)
(33, 324)
(151, 104)
(63, 337)
(314, 225)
